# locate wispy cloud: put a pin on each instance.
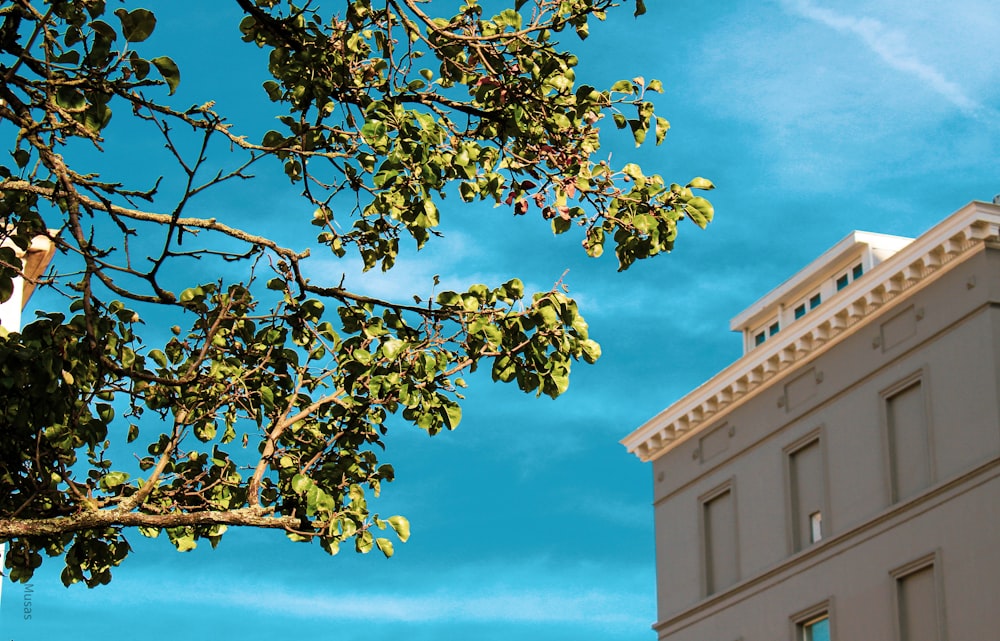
(893, 48)
(585, 595)
(501, 606)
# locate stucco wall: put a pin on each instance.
(946, 334)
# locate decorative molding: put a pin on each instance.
(932, 253)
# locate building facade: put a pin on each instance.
(841, 480)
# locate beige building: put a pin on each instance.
(841, 480)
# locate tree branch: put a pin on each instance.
(97, 519)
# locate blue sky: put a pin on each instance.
(530, 521)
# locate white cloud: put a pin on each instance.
(893, 47)
(452, 258)
(527, 592)
(510, 606)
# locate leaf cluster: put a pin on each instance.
(268, 403)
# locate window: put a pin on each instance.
(908, 439)
(814, 623)
(815, 527)
(817, 629)
(854, 274)
(812, 302)
(719, 531)
(806, 491)
(765, 331)
(918, 601)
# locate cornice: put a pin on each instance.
(933, 252)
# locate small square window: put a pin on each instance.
(759, 339)
(773, 329)
(814, 301)
(817, 629)
(857, 271)
(815, 526)
(842, 282)
(800, 311)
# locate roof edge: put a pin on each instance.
(933, 251)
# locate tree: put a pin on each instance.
(266, 403)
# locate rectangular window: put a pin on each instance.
(817, 629)
(909, 446)
(815, 527)
(857, 272)
(719, 529)
(918, 604)
(815, 301)
(842, 282)
(759, 339)
(773, 329)
(800, 311)
(807, 489)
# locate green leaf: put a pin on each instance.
(385, 546)
(158, 357)
(700, 211)
(453, 415)
(701, 183)
(623, 86)
(662, 126)
(392, 347)
(591, 350)
(401, 525)
(301, 483)
(137, 25)
(70, 99)
(267, 398)
(363, 542)
(114, 479)
(21, 158)
(185, 543)
(168, 69)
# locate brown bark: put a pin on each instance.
(255, 517)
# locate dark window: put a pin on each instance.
(800, 311)
(759, 339)
(842, 282)
(909, 448)
(773, 329)
(814, 301)
(719, 516)
(805, 466)
(917, 605)
(857, 271)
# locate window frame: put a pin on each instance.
(931, 560)
(812, 614)
(816, 435)
(920, 377)
(727, 486)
